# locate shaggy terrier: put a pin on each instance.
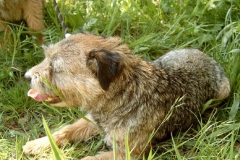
(123, 94)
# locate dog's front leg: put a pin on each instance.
(78, 131)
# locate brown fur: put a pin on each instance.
(123, 94)
(17, 10)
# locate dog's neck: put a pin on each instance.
(123, 103)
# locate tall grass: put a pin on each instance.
(151, 28)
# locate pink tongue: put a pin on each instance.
(35, 95)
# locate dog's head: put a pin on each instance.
(77, 69)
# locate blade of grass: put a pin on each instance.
(176, 149)
(127, 148)
(55, 150)
(114, 146)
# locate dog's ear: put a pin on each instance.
(108, 66)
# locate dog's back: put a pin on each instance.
(194, 78)
(189, 63)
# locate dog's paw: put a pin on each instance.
(36, 146)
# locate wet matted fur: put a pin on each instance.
(123, 94)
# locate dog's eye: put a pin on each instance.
(57, 70)
(57, 65)
(50, 69)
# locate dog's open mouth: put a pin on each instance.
(40, 98)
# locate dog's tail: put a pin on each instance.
(64, 27)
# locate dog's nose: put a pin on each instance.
(28, 76)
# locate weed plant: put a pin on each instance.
(151, 28)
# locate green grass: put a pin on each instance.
(150, 30)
